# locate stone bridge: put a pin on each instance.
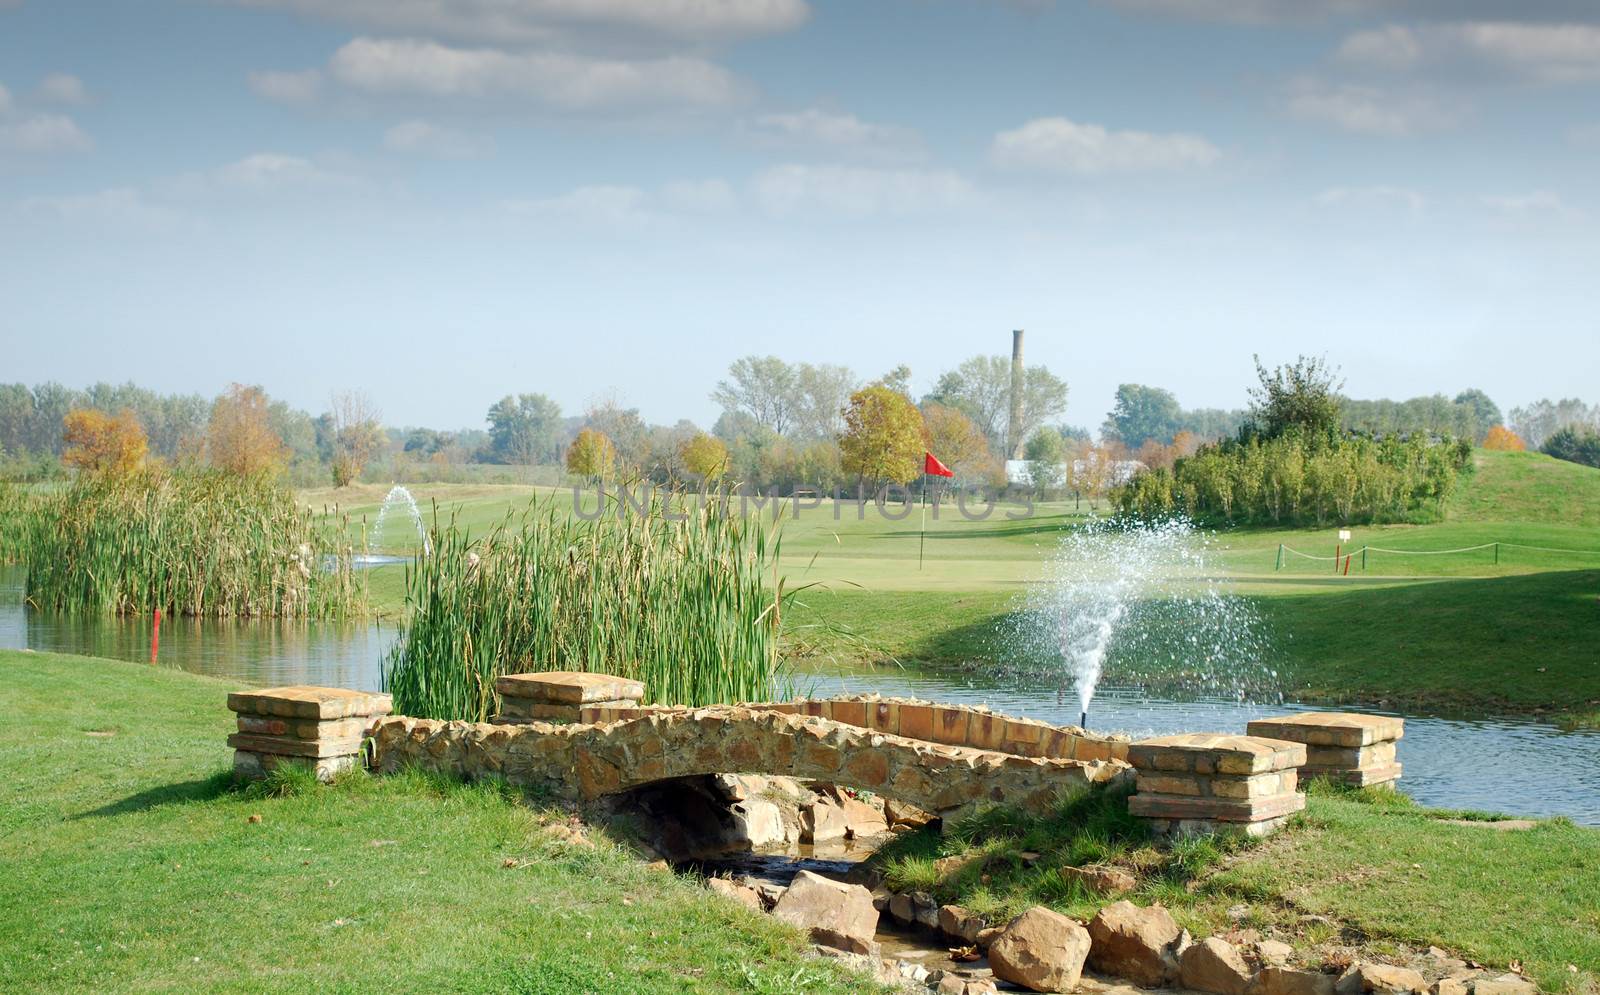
(944, 759)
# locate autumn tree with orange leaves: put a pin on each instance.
(1501, 437)
(103, 444)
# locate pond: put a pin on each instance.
(1515, 765)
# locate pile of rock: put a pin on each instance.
(322, 727)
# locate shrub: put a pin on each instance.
(1575, 446)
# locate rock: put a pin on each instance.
(1139, 944)
(1505, 984)
(1287, 981)
(1101, 879)
(738, 892)
(862, 820)
(813, 902)
(1213, 965)
(821, 820)
(824, 936)
(759, 821)
(898, 813)
(1040, 950)
(959, 924)
(1274, 953)
(947, 867)
(1449, 986)
(987, 936)
(914, 908)
(1384, 979)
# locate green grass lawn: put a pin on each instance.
(1370, 864)
(131, 864)
(1459, 629)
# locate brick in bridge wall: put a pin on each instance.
(587, 761)
(321, 727)
(1354, 749)
(1203, 783)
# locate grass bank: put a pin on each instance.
(1360, 873)
(131, 865)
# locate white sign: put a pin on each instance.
(1344, 535)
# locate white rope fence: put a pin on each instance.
(1345, 556)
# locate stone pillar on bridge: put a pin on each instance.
(320, 727)
(1204, 783)
(1353, 749)
(562, 696)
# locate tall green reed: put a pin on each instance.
(680, 594)
(189, 542)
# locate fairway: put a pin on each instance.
(1427, 628)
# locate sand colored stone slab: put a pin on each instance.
(303, 729)
(568, 688)
(1344, 729)
(306, 702)
(284, 746)
(1215, 753)
(254, 766)
(1216, 809)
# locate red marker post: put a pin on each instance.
(155, 636)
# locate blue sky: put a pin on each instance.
(445, 201)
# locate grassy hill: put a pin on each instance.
(1528, 487)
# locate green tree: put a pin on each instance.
(1046, 453)
(1143, 413)
(1485, 413)
(705, 456)
(591, 455)
(1301, 395)
(981, 389)
(764, 387)
(523, 429)
(1575, 446)
(882, 441)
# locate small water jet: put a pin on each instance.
(398, 496)
(1142, 602)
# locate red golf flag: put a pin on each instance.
(932, 466)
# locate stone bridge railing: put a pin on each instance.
(589, 760)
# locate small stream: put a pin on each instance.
(1517, 765)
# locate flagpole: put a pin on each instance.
(922, 539)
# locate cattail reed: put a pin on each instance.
(689, 605)
(190, 542)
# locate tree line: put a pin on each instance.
(1294, 461)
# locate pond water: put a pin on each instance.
(1514, 765)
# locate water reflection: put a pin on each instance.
(1512, 765)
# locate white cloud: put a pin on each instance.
(814, 128)
(1056, 144)
(859, 191)
(1369, 110)
(588, 205)
(1534, 203)
(1382, 198)
(699, 196)
(560, 80)
(1271, 11)
(527, 22)
(1544, 53)
(426, 138)
(118, 206)
(63, 88)
(260, 174)
(287, 87)
(41, 133)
